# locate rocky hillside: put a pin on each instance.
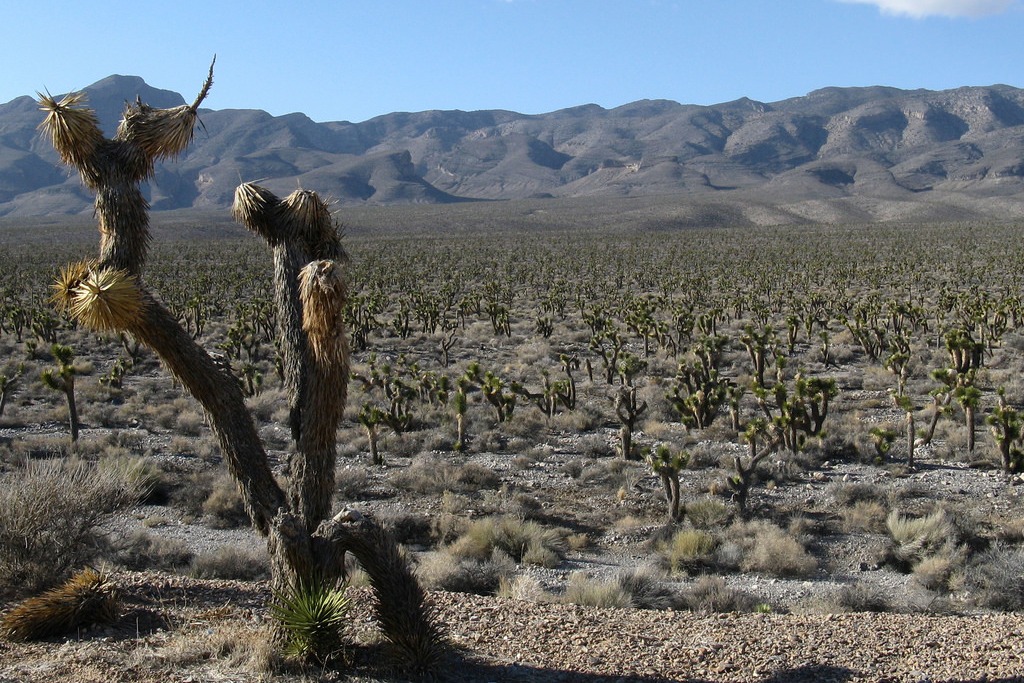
(836, 154)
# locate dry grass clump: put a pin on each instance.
(867, 516)
(351, 481)
(856, 597)
(764, 548)
(153, 483)
(189, 423)
(708, 513)
(86, 598)
(240, 645)
(917, 538)
(447, 571)
(847, 495)
(996, 579)
(429, 475)
(50, 513)
(522, 587)
(689, 550)
(711, 594)
(239, 564)
(647, 589)
(143, 550)
(524, 541)
(595, 592)
(223, 508)
(408, 528)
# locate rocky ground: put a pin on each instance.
(180, 630)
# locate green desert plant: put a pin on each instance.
(689, 550)
(313, 615)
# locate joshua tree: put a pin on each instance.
(372, 417)
(745, 468)
(904, 403)
(460, 403)
(62, 378)
(628, 411)
(1007, 427)
(667, 463)
(969, 397)
(8, 380)
(306, 544)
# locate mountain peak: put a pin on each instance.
(109, 95)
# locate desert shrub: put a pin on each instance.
(858, 597)
(689, 550)
(942, 572)
(223, 508)
(1011, 532)
(524, 541)
(708, 513)
(153, 482)
(647, 589)
(573, 468)
(448, 572)
(428, 475)
(996, 579)
(142, 550)
(189, 423)
(522, 587)
(474, 477)
(269, 405)
(711, 594)
(915, 538)
(408, 528)
(595, 446)
(847, 495)
(351, 481)
(767, 549)
(50, 512)
(593, 592)
(866, 516)
(703, 456)
(526, 506)
(228, 562)
(190, 492)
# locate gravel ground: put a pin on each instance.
(526, 641)
(508, 640)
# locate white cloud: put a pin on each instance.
(946, 8)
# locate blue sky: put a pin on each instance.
(345, 60)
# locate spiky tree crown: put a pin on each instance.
(102, 299)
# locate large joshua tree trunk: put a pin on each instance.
(305, 543)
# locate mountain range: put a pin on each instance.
(836, 154)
